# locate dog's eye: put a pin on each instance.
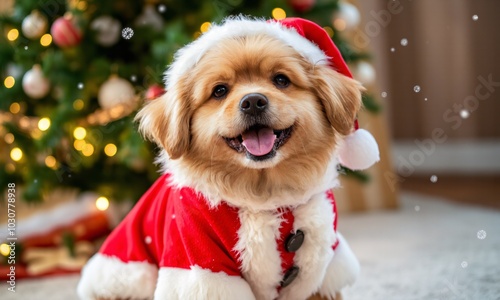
(281, 81)
(220, 91)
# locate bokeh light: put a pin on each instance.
(102, 203)
(110, 149)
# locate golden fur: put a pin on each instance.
(189, 124)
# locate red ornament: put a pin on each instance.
(301, 6)
(65, 32)
(154, 92)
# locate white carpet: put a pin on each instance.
(427, 250)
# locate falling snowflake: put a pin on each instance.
(393, 49)
(80, 85)
(173, 216)
(404, 42)
(417, 208)
(464, 264)
(25, 47)
(133, 78)
(148, 240)
(434, 178)
(481, 234)
(425, 99)
(127, 33)
(475, 17)
(416, 88)
(384, 94)
(464, 114)
(162, 8)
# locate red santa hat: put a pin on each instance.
(358, 150)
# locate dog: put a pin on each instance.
(256, 118)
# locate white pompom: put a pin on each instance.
(359, 150)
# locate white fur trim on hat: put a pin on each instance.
(186, 58)
(107, 277)
(359, 150)
(198, 283)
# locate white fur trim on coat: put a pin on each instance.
(190, 55)
(342, 271)
(197, 283)
(315, 219)
(257, 248)
(106, 277)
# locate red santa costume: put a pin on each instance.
(178, 244)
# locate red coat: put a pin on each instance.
(176, 228)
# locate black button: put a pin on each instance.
(294, 241)
(290, 276)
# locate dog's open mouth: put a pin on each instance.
(260, 142)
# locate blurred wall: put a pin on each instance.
(452, 125)
(449, 55)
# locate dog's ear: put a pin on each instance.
(340, 97)
(166, 121)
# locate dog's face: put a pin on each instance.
(254, 109)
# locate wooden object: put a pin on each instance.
(382, 189)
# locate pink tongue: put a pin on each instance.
(259, 142)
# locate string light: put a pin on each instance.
(9, 138)
(104, 116)
(102, 203)
(78, 144)
(328, 30)
(9, 82)
(205, 26)
(78, 104)
(35, 133)
(80, 133)
(339, 24)
(44, 124)
(82, 5)
(88, 150)
(16, 154)
(46, 40)
(278, 13)
(110, 149)
(10, 168)
(4, 249)
(15, 108)
(50, 161)
(13, 34)
(24, 122)
(116, 111)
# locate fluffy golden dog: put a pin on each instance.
(202, 121)
(256, 117)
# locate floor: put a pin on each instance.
(482, 190)
(429, 249)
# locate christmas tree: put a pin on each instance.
(75, 72)
(73, 75)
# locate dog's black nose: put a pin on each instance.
(253, 104)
